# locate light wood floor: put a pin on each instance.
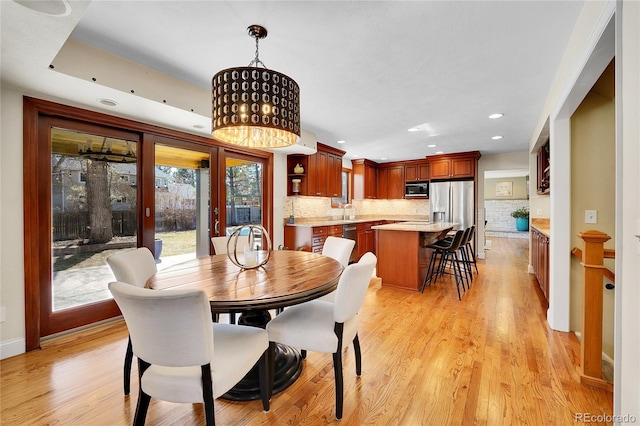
(428, 359)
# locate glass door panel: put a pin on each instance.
(93, 213)
(244, 195)
(182, 202)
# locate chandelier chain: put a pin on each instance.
(256, 61)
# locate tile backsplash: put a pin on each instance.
(320, 208)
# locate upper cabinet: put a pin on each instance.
(416, 171)
(322, 175)
(365, 179)
(460, 165)
(544, 170)
(391, 181)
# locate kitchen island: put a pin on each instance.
(402, 254)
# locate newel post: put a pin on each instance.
(592, 261)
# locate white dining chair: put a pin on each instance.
(339, 249)
(182, 356)
(220, 243)
(220, 247)
(328, 327)
(133, 267)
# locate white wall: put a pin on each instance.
(584, 60)
(627, 374)
(279, 197)
(11, 224)
(589, 51)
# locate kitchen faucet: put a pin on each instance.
(352, 215)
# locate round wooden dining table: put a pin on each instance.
(288, 278)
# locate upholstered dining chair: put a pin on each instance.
(220, 243)
(339, 249)
(328, 327)
(182, 356)
(133, 267)
(220, 247)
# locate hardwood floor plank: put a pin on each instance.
(427, 359)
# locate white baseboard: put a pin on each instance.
(11, 348)
(531, 270)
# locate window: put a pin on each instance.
(346, 186)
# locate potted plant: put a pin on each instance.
(522, 218)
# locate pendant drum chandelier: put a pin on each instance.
(254, 106)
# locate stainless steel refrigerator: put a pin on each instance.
(452, 202)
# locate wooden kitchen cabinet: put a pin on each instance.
(334, 169)
(365, 179)
(540, 259)
(323, 172)
(453, 166)
(416, 171)
(309, 238)
(318, 173)
(366, 238)
(390, 182)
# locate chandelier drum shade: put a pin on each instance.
(254, 106)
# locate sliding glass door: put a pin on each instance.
(92, 194)
(95, 185)
(182, 203)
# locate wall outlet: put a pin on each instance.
(591, 216)
(3, 313)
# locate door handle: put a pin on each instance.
(216, 227)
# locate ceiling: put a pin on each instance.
(367, 70)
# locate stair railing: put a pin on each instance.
(592, 259)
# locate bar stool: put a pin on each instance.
(466, 262)
(448, 253)
(469, 247)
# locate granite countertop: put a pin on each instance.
(542, 224)
(416, 226)
(362, 219)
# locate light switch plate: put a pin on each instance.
(591, 216)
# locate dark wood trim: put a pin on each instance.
(36, 188)
(330, 149)
(266, 158)
(147, 199)
(453, 156)
(365, 161)
(30, 212)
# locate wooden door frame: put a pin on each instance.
(267, 184)
(36, 165)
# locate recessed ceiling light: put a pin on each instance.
(198, 126)
(495, 138)
(342, 141)
(107, 102)
(439, 152)
(496, 115)
(383, 158)
(431, 146)
(355, 155)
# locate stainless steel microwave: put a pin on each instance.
(416, 189)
